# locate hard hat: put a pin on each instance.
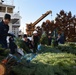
(35, 32)
(49, 32)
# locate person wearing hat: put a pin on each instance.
(35, 40)
(27, 43)
(4, 28)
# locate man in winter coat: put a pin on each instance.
(4, 28)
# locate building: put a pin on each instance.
(15, 17)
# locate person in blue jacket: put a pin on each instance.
(4, 28)
(61, 39)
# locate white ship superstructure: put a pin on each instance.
(15, 17)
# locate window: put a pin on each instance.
(0, 19)
(10, 10)
(2, 9)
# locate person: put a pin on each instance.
(61, 39)
(12, 45)
(35, 41)
(4, 28)
(27, 43)
(49, 38)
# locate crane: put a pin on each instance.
(31, 27)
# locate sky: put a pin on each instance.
(31, 10)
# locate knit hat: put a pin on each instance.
(7, 16)
(24, 35)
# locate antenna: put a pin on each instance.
(18, 9)
(12, 2)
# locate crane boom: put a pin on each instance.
(42, 17)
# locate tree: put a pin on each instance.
(66, 23)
